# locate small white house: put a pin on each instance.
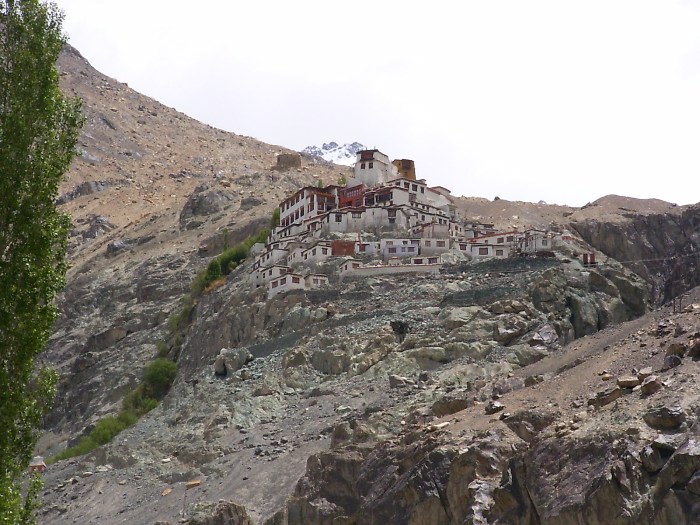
(317, 253)
(349, 265)
(315, 280)
(399, 247)
(284, 283)
(482, 250)
(535, 241)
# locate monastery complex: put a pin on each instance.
(383, 220)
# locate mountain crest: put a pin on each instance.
(331, 152)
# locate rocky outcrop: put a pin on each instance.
(663, 249)
(203, 202)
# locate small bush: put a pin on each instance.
(137, 402)
(158, 377)
(163, 348)
(213, 270)
(104, 432)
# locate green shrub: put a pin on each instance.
(232, 257)
(158, 377)
(181, 319)
(214, 270)
(163, 348)
(137, 402)
(104, 432)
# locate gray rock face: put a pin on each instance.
(651, 239)
(203, 202)
(651, 459)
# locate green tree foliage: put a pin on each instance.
(38, 132)
(275, 221)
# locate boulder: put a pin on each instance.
(671, 361)
(458, 317)
(605, 396)
(651, 385)
(694, 348)
(663, 417)
(231, 360)
(584, 315)
(693, 484)
(676, 348)
(681, 466)
(628, 381)
(396, 381)
(546, 335)
(644, 373)
(493, 407)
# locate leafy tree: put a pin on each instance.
(38, 132)
(275, 221)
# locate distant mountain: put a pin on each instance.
(332, 152)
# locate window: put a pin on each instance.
(313, 252)
(391, 213)
(432, 260)
(544, 242)
(356, 215)
(422, 217)
(355, 265)
(295, 280)
(417, 261)
(324, 251)
(274, 284)
(422, 189)
(392, 250)
(499, 253)
(414, 187)
(500, 240)
(371, 165)
(363, 247)
(362, 166)
(389, 243)
(463, 247)
(392, 220)
(338, 217)
(283, 281)
(440, 244)
(411, 249)
(483, 251)
(510, 238)
(428, 244)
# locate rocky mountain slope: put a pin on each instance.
(512, 399)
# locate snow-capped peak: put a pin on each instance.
(331, 152)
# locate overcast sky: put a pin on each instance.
(559, 101)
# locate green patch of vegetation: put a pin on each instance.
(158, 377)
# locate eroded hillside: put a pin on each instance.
(309, 407)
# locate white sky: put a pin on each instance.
(559, 101)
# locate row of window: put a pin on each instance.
(407, 185)
(371, 165)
